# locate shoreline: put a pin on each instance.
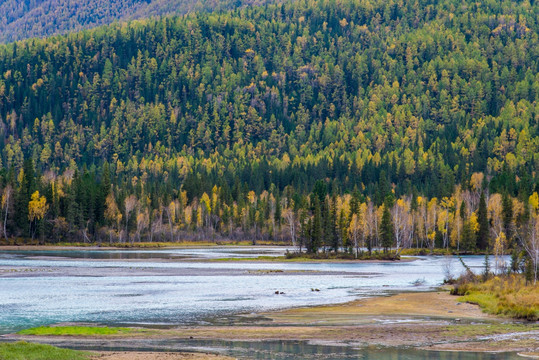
(259, 259)
(419, 320)
(409, 252)
(429, 320)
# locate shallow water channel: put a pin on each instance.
(291, 350)
(161, 288)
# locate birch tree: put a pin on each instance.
(6, 204)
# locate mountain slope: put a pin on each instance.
(380, 97)
(41, 18)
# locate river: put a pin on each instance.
(171, 287)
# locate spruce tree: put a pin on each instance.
(334, 234)
(23, 195)
(316, 228)
(486, 264)
(468, 239)
(482, 219)
(278, 211)
(507, 213)
(386, 228)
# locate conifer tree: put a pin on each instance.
(484, 227)
(507, 212)
(386, 228)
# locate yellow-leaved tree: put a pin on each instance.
(112, 213)
(37, 208)
(500, 245)
(528, 234)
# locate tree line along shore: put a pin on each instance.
(86, 209)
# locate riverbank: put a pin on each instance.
(284, 259)
(28, 245)
(427, 320)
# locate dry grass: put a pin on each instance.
(503, 295)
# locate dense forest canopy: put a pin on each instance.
(38, 18)
(221, 112)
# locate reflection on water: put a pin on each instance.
(291, 350)
(155, 254)
(288, 350)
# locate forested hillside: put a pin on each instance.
(40, 18)
(221, 125)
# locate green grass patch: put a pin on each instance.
(77, 330)
(27, 351)
(486, 301)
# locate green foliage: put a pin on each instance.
(484, 227)
(75, 330)
(486, 267)
(375, 97)
(22, 20)
(386, 229)
(468, 237)
(296, 256)
(27, 351)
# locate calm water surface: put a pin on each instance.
(292, 350)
